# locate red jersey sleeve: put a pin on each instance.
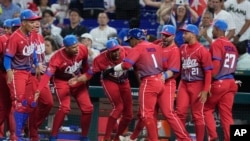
(96, 64)
(206, 59)
(131, 58)
(11, 47)
(174, 61)
(84, 51)
(215, 51)
(53, 64)
(127, 50)
(1, 45)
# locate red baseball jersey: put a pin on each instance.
(3, 41)
(64, 67)
(102, 61)
(224, 51)
(146, 53)
(38, 42)
(195, 59)
(171, 58)
(20, 47)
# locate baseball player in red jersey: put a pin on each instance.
(5, 101)
(147, 58)
(171, 67)
(15, 23)
(45, 100)
(171, 64)
(195, 79)
(223, 88)
(116, 87)
(65, 64)
(18, 60)
(4, 93)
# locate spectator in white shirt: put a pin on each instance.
(100, 33)
(219, 13)
(87, 40)
(48, 18)
(239, 9)
(46, 31)
(60, 9)
(244, 56)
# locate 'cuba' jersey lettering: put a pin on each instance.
(20, 47)
(75, 67)
(195, 59)
(64, 67)
(189, 63)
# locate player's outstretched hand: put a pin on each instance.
(78, 79)
(203, 96)
(72, 81)
(106, 72)
(9, 76)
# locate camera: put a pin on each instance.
(180, 2)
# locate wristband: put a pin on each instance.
(165, 75)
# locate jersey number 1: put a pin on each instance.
(154, 60)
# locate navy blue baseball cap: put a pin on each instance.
(220, 24)
(112, 44)
(190, 28)
(69, 40)
(168, 30)
(7, 23)
(16, 22)
(28, 14)
(136, 33)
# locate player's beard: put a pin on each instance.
(36, 29)
(115, 57)
(71, 53)
(165, 43)
(185, 41)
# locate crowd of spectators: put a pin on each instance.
(63, 17)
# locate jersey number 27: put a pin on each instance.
(229, 60)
